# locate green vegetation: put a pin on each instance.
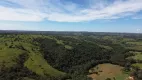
(137, 56)
(12, 47)
(9, 56)
(69, 56)
(106, 47)
(137, 65)
(134, 43)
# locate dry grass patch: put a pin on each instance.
(104, 71)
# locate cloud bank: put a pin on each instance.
(67, 10)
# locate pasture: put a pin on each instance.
(104, 71)
(12, 47)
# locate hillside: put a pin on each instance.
(69, 56)
(18, 51)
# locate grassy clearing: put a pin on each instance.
(37, 64)
(137, 48)
(68, 47)
(12, 47)
(106, 47)
(104, 71)
(134, 43)
(128, 40)
(9, 56)
(137, 65)
(60, 42)
(138, 56)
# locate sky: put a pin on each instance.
(72, 15)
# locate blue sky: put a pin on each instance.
(72, 15)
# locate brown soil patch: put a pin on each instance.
(103, 71)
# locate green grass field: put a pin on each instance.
(10, 49)
(9, 56)
(134, 46)
(37, 64)
(106, 47)
(137, 56)
(134, 43)
(137, 65)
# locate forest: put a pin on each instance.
(41, 55)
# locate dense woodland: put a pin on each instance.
(69, 55)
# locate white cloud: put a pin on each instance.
(20, 14)
(14, 26)
(54, 10)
